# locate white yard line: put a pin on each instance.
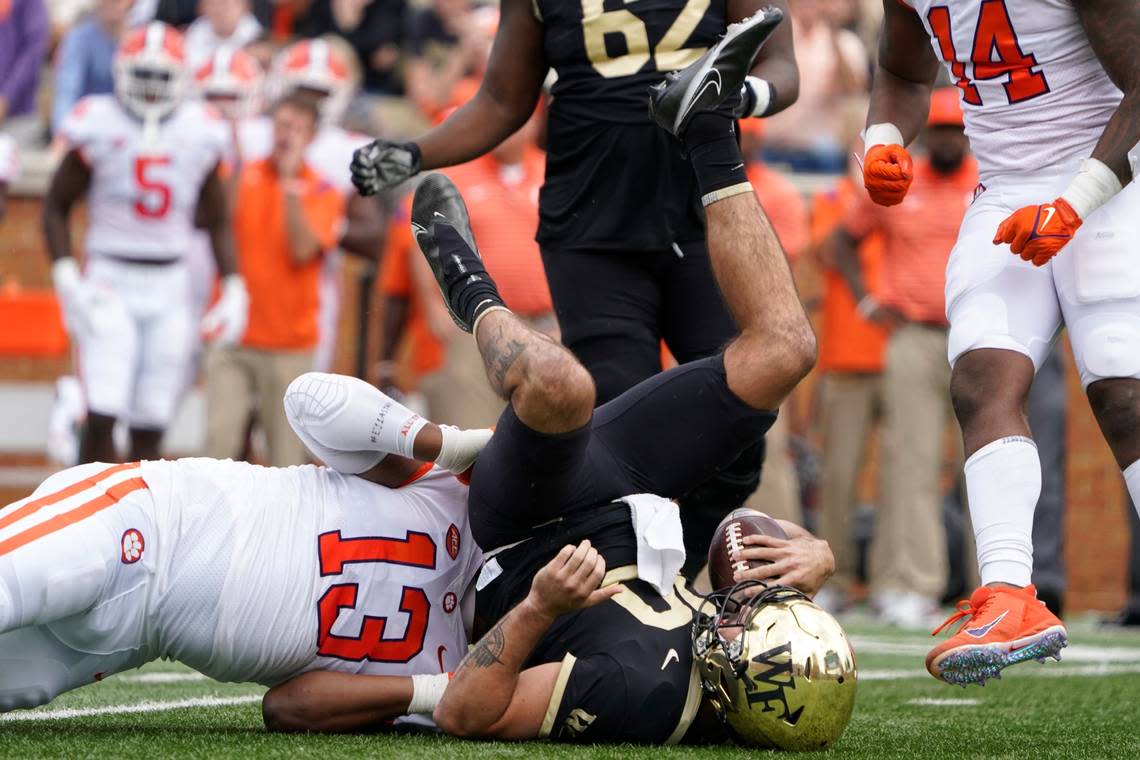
(936, 702)
(162, 678)
(140, 707)
(1050, 670)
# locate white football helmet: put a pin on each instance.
(231, 82)
(150, 71)
(318, 66)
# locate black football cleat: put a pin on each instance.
(715, 76)
(442, 229)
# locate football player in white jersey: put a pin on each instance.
(317, 68)
(147, 162)
(249, 573)
(1050, 240)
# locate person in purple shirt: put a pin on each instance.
(24, 32)
(83, 62)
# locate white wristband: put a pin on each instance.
(1093, 186)
(881, 134)
(427, 691)
(762, 93)
(65, 275)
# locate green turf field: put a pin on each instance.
(1087, 706)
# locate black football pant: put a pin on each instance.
(614, 309)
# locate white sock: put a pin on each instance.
(1132, 478)
(1003, 483)
(348, 423)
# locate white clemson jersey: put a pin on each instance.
(330, 153)
(143, 192)
(1034, 94)
(270, 572)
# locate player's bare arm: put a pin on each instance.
(490, 695)
(775, 63)
(1113, 28)
(905, 73)
(68, 185)
(324, 701)
(213, 215)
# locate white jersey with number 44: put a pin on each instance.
(144, 189)
(273, 572)
(1036, 98)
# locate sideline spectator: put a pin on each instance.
(285, 218)
(222, 23)
(851, 350)
(83, 62)
(908, 558)
(444, 43)
(834, 70)
(24, 32)
(372, 28)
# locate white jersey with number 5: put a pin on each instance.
(1034, 94)
(273, 572)
(143, 195)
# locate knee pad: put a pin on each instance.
(1108, 349)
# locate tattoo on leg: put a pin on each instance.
(500, 354)
(486, 652)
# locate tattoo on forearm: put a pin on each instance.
(487, 652)
(500, 354)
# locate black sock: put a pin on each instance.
(470, 288)
(710, 141)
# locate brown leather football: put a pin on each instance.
(728, 537)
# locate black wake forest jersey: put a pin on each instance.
(614, 180)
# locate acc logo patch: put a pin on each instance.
(453, 541)
(449, 602)
(133, 546)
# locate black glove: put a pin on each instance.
(382, 164)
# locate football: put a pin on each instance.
(729, 537)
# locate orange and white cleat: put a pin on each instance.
(1003, 626)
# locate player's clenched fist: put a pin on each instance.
(887, 174)
(382, 164)
(570, 582)
(1036, 233)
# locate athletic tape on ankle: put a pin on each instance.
(427, 691)
(725, 192)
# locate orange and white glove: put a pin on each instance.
(887, 167)
(1037, 233)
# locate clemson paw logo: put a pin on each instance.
(450, 602)
(133, 546)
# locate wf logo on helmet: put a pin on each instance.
(769, 687)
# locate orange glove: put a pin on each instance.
(887, 174)
(1036, 233)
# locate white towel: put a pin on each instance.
(660, 543)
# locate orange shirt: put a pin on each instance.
(784, 206)
(283, 297)
(918, 235)
(396, 280)
(848, 342)
(503, 203)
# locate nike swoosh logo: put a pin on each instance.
(439, 653)
(441, 216)
(670, 656)
(710, 82)
(982, 630)
(1050, 211)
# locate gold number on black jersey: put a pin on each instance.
(668, 56)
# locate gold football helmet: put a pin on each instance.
(779, 670)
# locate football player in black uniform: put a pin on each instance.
(621, 226)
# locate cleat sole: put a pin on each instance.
(976, 664)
